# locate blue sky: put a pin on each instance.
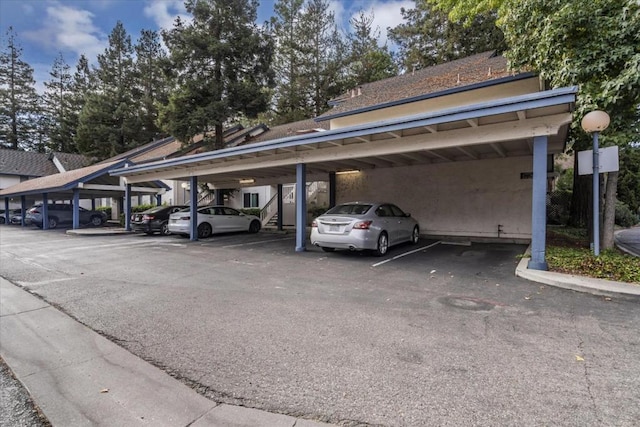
(46, 28)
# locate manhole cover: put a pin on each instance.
(467, 303)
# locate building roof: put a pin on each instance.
(70, 161)
(26, 163)
(461, 73)
(301, 127)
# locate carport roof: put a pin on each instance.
(60, 183)
(499, 128)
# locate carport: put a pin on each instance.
(533, 125)
(85, 183)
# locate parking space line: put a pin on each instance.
(406, 253)
(257, 243)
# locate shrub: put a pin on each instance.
(624, 216)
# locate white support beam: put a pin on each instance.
(468, 153)
(498, 149)
(395, 134)
(363, 139)
(432, 129)
(522, 115)
(440, 156)
(473, 122)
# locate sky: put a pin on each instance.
(47, 28)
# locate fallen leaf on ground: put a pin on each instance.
(579, 358)
(104, 390)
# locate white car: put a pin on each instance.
(212, 220)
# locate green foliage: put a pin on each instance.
(220, 63)
(610, 265)
(251, 211)
(18, 98)
(429, 37)
(109, 123)
(629, 178)
(624, 216)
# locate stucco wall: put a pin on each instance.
(455, 199)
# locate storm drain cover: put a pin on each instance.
(467, 303)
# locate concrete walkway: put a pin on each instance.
(79, 378)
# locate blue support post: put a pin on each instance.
(127, 207)
(93, 204)
(301, 207)
(280, 212)
(7, 216)
(23, 210)
(45, 211)
(193, 204)
(158, 199)
(76, 208)
(539, 205)
(218, 197)
(332, 189)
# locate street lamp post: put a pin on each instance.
(594, 123)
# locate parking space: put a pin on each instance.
(343, 336)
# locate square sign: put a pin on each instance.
(607, 161)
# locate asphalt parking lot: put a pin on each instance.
(432, 334)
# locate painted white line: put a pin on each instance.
(406, 253)
(257, 243)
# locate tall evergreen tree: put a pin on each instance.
(324, 53)
(289, 103)
(56, 106)
(368, 62)
(221, 62)
(428, 37)
(18, 98)
(152, 84)
(109, 123)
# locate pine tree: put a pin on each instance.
(109, 123)
(19, 110)
(221, 65)
(428, 37)
(152, 84)
(323, 53)
(289, 103)
(57, 110)
(368, 62)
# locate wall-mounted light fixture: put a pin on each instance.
(247, 181)
(185, 185)
(347, 172)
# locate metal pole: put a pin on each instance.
(596, 196)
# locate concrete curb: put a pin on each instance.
(575, 283)
(78, 377)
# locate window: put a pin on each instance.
(251, 200)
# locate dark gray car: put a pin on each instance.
(60, 213)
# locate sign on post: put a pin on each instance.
(607, 162)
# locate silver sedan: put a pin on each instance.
(364, 225)
(212, 220)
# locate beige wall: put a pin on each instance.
(519, 87)
(455, 199)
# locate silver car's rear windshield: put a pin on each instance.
(349, 209)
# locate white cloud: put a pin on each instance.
(165, 12)
(67, 29)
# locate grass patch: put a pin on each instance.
(568, 252)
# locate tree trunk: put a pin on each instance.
(609, 210)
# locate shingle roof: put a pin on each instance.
(58, 180)
(462, 72)
(290, 129)
(26, 163)
(71, 161)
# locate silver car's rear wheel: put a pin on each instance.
(164, 229)
(415, 236)
(53, 222)
(204, 230)
(383, 244)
